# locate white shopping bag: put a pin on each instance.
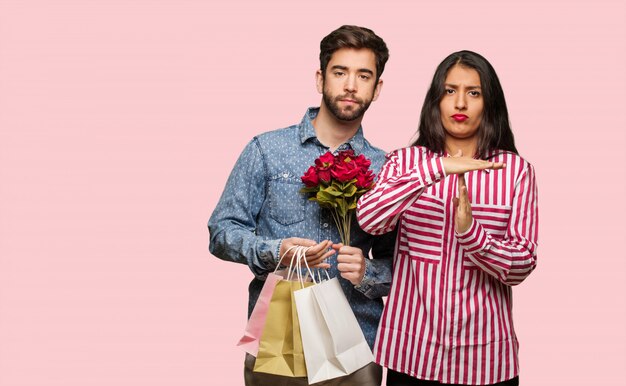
(332, 339)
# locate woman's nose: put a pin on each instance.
(460, 103)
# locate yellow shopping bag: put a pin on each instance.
(280, 349)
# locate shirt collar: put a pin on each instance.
(307, 132)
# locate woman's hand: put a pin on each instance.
(459, 164)
(462, 208)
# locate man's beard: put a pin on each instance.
(345, 115)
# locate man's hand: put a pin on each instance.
(462, 208)
(350, 263)
(458, 164)
(315, 255)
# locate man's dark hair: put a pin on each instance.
(494, 131)
(352, 36)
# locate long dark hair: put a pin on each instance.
(494, 131)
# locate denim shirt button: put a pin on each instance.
(325, 225)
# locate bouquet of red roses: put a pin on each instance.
(336, 182)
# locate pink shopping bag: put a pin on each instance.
(254, 329)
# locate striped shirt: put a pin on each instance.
(448, 317)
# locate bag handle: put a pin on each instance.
(308, 269)
(285, 254)
(319, 275)
(298, 257)
(311, 272)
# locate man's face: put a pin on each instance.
(349, 84)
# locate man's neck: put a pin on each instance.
(332, 132)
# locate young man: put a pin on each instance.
(261, 213)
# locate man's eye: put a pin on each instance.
(365, 77)
(449, 91)
(474, 93)
(339, 73)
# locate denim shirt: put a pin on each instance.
(262, 204)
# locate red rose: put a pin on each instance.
(323, 166)
(325, 161)
(324, 175)
(345, 170)
(363, 163)
(364, 180)
(310, 178)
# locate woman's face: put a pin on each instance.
(462, 103)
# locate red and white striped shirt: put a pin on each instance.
(448, 317)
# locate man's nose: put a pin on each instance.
(350, 85)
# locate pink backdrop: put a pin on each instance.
(120, 121)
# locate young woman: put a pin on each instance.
(466, 206)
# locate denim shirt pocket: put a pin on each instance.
(287, 204)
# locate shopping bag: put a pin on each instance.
(333, 342)
(252, 334)
(249, 342)
(280, 348)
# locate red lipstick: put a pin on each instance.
(460, 117)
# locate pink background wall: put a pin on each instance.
(120, 121)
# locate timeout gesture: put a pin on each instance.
(462, 208)
(457, 164)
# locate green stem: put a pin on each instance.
(338, 223)
(346, 231)
(348, 225)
